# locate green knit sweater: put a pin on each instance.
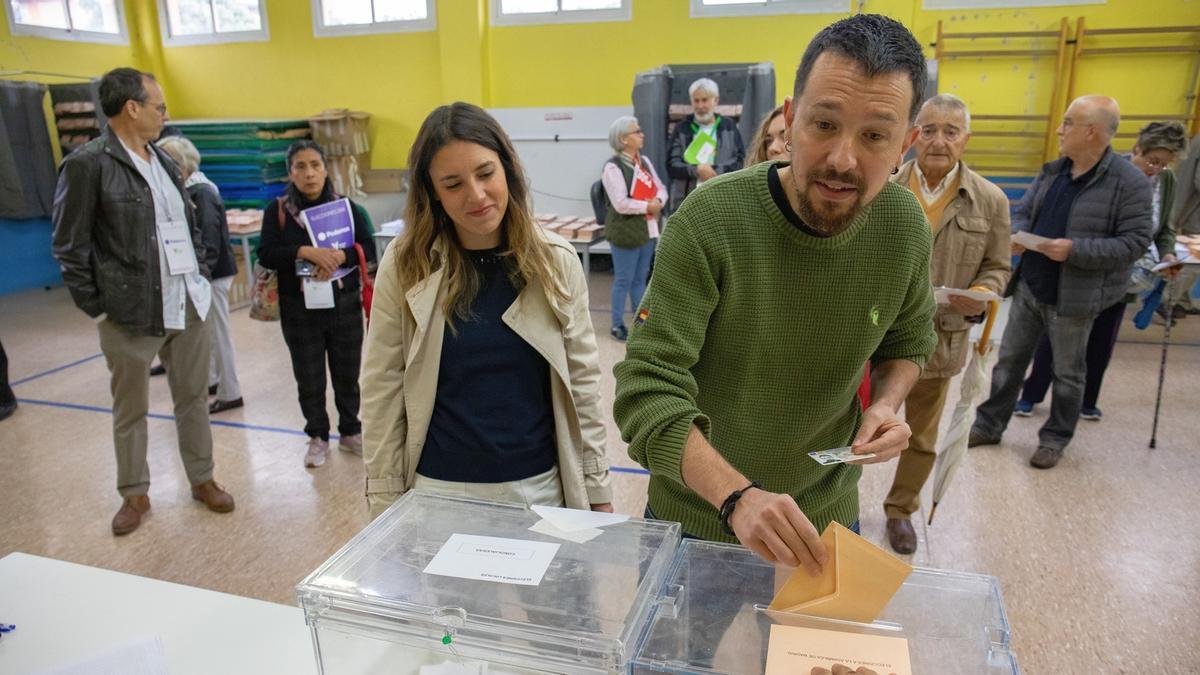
(757, 333)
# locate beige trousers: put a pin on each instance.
(923, 412)
(185, 354)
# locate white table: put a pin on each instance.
(585, 247)
(243, 238)
(382, 239)
(65, 613)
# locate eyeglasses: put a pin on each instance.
(1067, 123)
(161, 107)
(1154, 163)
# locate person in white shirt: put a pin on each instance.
(127, 240)
(634, 196)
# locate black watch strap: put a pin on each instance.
(730, 504)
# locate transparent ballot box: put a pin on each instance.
(712, 617)
(522, 602)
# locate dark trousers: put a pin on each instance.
(1101, 342)
(314, 336)
(6, 393)
(1028, 321)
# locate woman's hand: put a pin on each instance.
(654, 206)
(327, 260)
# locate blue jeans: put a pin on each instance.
(631, 268)
(1027, 322)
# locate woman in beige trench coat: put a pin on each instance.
(481, 373)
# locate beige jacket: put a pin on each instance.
(402, 353)
(970, 248)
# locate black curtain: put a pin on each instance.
(27, 172)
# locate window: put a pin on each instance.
(1003, 4)
(200, 22)
(525, 12)
(708, 8)
(84, 20)
(332, 18)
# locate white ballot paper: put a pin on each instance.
(547, 528)
(1029, 239)
(141, 657)
(504, 561)
(941, 295)
(570, 520)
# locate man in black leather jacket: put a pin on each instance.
(127, 240)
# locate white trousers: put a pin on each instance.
(544, 489)
(221, 370)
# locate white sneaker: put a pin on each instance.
(351, 444)
(317, 451)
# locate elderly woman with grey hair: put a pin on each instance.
(214, 229)
(634, 196)
(1158, 145)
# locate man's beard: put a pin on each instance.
(825, 220)
(706, 119)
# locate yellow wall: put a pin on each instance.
(400, 77)
(595, 63)
(85, 59)
(395, 77)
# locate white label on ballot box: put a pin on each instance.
(177, 244)
(318, 294)
(504, 561)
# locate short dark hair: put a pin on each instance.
(120, 85)
(878, 44)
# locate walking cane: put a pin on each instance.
(1162, 366)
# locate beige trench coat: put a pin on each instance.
(970, 248)
(399, 377)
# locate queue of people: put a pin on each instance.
(478, 374)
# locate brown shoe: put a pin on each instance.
(1046, 458)
(901, 535)
(130, 515)
(213, 496)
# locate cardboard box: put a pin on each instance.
(383, 180)
(341, 132)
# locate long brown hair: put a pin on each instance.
(427, 222)
(758, 147)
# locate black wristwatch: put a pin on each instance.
(730, 504)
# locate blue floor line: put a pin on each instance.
(238, 425)
(169, 418)
(55, 370)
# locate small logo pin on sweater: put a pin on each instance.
(875, 315)
(642, 315)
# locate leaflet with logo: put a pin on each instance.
(331, 225)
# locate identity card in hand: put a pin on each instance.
(1029, 240)
(837, 456)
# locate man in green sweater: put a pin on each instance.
(773, 286)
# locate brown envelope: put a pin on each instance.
(857, 583)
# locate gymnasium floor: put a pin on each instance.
(1099, 558)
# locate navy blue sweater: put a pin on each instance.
(493, 418)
